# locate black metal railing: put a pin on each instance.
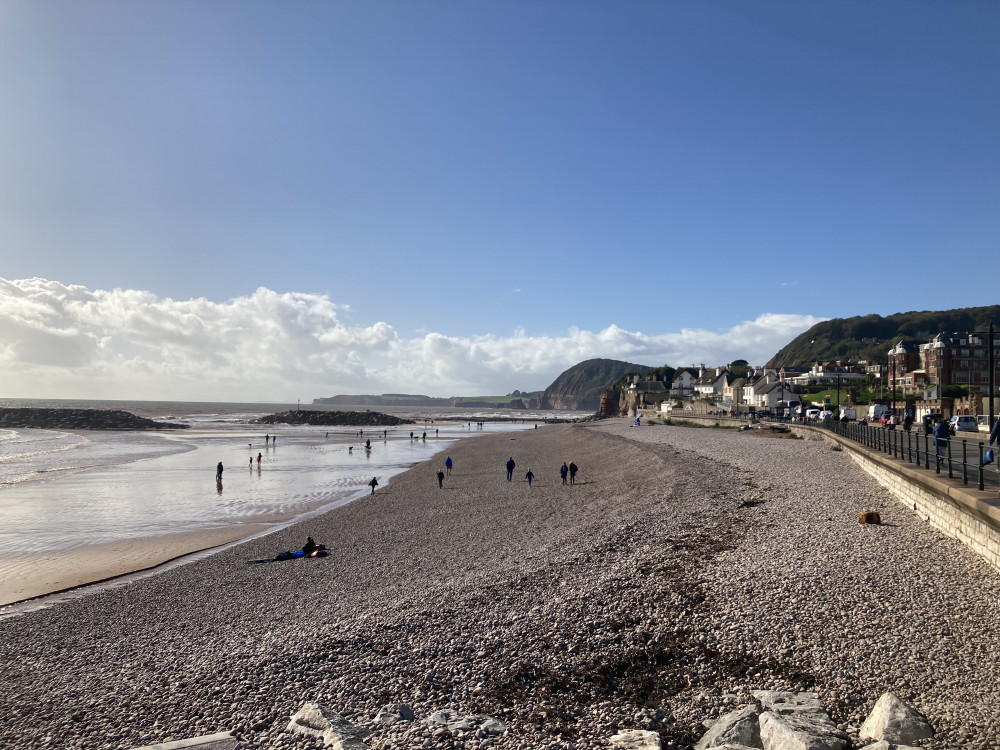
(958, 457)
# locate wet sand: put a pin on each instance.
(43, 573)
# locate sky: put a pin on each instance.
(242, 200)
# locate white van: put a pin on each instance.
(812, 413)
(876, 410)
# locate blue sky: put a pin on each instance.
(469, 197)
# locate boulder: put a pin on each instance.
(740, 727)
(456, 722)
(394, 713)
(784, 703)
(316, 720)
(894, 721)
(636, 739)
(808, 730)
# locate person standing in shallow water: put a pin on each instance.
(510, 468)
(218, 472)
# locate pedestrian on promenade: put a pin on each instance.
(373, 484)
(563, 471)
(529, 476)
(510, 468)
(941, 436)
(218, 472)
(448, 465)
(573, 468)
(440, 479)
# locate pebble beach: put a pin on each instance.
(685, 568)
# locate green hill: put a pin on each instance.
(870, 336)
(579, 387)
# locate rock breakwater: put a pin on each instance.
(332, 418)
(81, 419)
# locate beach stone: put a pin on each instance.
(883, 745)
(394, 713)
(316, 720)
(740, 727)
(805, 731)
(636, 739)
(895, 721)
(456, 722)
(786, 703)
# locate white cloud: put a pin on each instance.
(59, 341)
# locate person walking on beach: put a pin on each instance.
(447, 465)
(274, 440)
(218, 472)
(563, 471)
(510, 468)
(373, 484)
(267, 439)
(440, 478)
(258, 460)
(573, 468)
(529, 476)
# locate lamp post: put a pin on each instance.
(892, 365)
(992, 378)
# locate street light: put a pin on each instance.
(892, 364)
(992, 376)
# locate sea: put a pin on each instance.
(63, 489)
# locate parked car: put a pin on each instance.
(812, 413)
(962, 423)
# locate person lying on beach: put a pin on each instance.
(309, 549)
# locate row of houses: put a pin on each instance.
(912, 367)
(761, 388)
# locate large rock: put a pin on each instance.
(883, 745)
(894, 721)
(636, 739)
(456, 722)
(808, 730)
(784, 703)
(394, 713)
(316, 720)
(740, 727)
